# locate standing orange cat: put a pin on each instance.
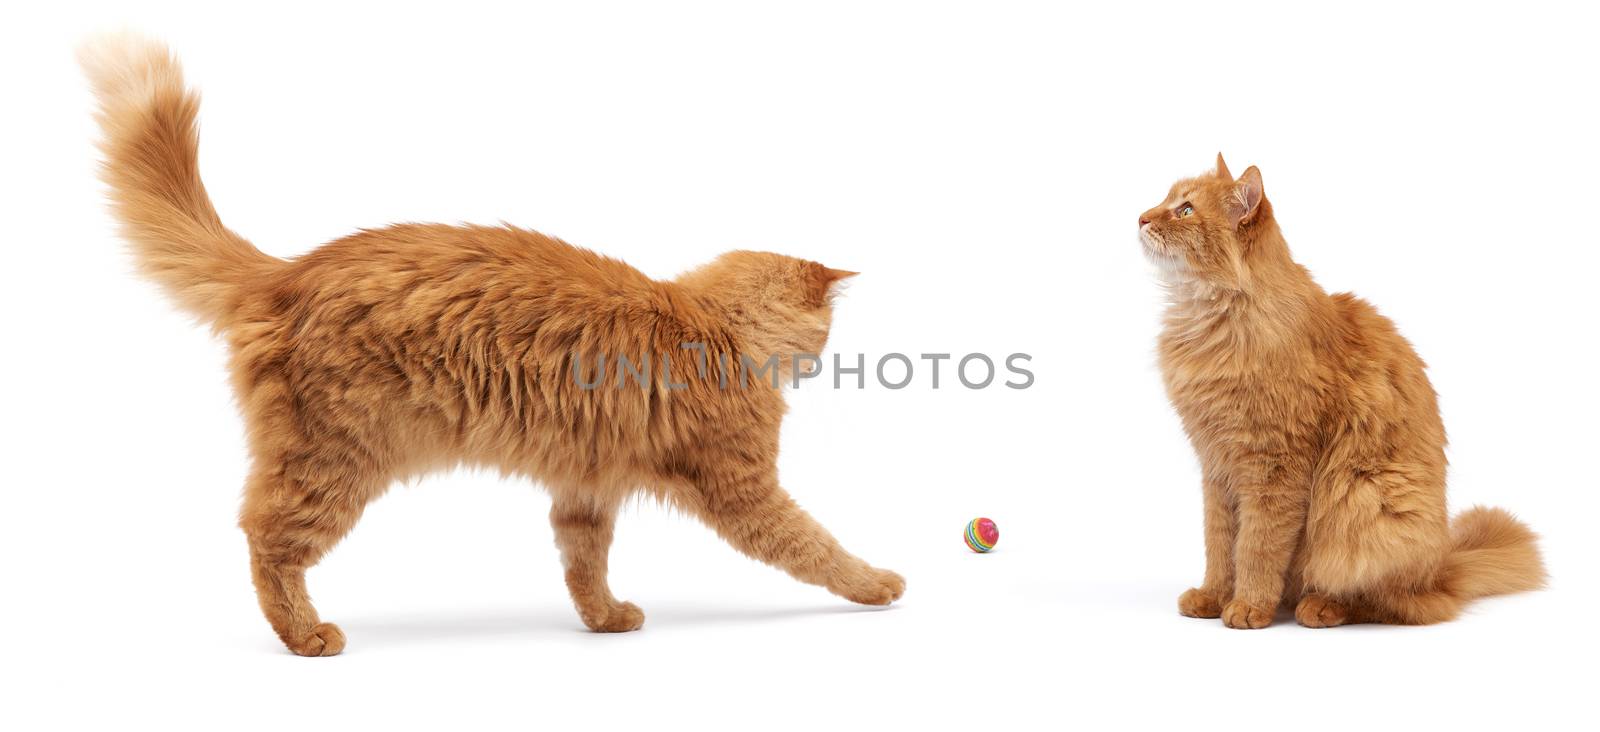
(1318, 433)
(403, 350)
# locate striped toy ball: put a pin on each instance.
(982, 535)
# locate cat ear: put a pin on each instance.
(1246, 198)
(820, 282)
(1222, 169)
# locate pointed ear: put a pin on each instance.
(820, 283)
(1222, 169)
(1246, 199)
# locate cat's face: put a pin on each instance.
(1194, 234)
(793, 297)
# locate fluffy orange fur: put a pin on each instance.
(1318, 433)
(405, 350)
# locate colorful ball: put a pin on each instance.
(982, 535)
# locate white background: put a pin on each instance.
(983, 166)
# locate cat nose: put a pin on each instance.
(1143, 221)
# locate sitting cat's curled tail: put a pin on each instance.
(1491, 553)
(151, 143)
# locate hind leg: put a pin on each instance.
(1314, 608)
(1407, 606)
(1396, 607)
(291, 522)
(1375, 537)
(583, 531)
(1317, 610)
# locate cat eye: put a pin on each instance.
(1185, 211)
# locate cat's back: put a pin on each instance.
(474, 298)
(419, 258)
(1368, 338)
(1384, 387)
(1387, 380)
(416, 278)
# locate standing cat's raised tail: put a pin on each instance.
(150, 142)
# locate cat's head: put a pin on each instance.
(1201, 232)
(785, 302)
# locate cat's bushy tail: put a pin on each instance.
(1491, 553)
(150, 142)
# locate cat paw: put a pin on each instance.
(1245, 616)
(873, 587)
(325, 639)
(1321, 611)
(618, 617)
(1197, 603)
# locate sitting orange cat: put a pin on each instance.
(408, 349)
(1319, 437)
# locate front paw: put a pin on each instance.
(1197, 603)
(1245, 616)
(613, 617)
(323, 640)
(871, 587)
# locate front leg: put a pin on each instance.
(1271, 519)
(583, 534)
(750, 511)
(1206, 601)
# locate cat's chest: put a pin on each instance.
(1264, 399)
